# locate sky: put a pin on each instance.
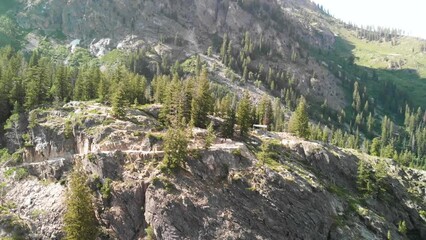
(408, 15)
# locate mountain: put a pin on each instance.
(151, 104)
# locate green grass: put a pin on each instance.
(411, 78)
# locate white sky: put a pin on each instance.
(408, 15)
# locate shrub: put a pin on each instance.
(92, 157)
(422, 213)
(106, 188)
(17, 173)
(237, 152)
(149, 233)
(68, 129)
(402, 227)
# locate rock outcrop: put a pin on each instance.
(308, 191)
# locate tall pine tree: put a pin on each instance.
(299, 122)
(80, 220)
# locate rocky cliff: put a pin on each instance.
(189, 27)
(308, 190)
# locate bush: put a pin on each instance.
(402, 227)
(17, 173)
(68, 129)
(149, 233)
(106, 188)
(92, 157)
(237, 152)
(423, 213)
(4, 155)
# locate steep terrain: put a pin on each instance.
(308, 190)
(190, 27)
(80, 59)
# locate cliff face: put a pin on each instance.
(194, 21)
(308, 192)
(189, 27)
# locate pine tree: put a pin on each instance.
(118, 103)
(35, 87)
(202, 102)
(230, 121)
(103, 89)
(175, 147)
(244, 114)
(61, 88)
(370, 123)
(79, 88)
(264, 153)
(375, 147)
(80, 220)
(264, 111)
(363, 178)
(210, 137)
(299, 122)
(380, 176)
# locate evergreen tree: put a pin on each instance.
(230, 121)
(172, 110)
(202, 102)
(299, 121)
(243, 114)
(264, 111)
(61, 88)
(175, 147)
(264, 153)
(370, 123)
(35, 87)
(363, 178)
(375, 147)
(118, 103)
(210, 137)
(80, 220)
(103, 90)
(380, 176)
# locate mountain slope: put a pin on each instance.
(307, 190)
(107, 86)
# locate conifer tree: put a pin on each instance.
(264, 153)
(103, 90)
(299, 122)
(118, 103)
(230, 120)
(80, 220)
(375, 147)
(61, 88)
(244, 114)
(380, 176)
(202, 101)
(363, 178)
(35, 87)
(175, 147)
(210, 137)
(264, 111)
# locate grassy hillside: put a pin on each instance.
(410, 76)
